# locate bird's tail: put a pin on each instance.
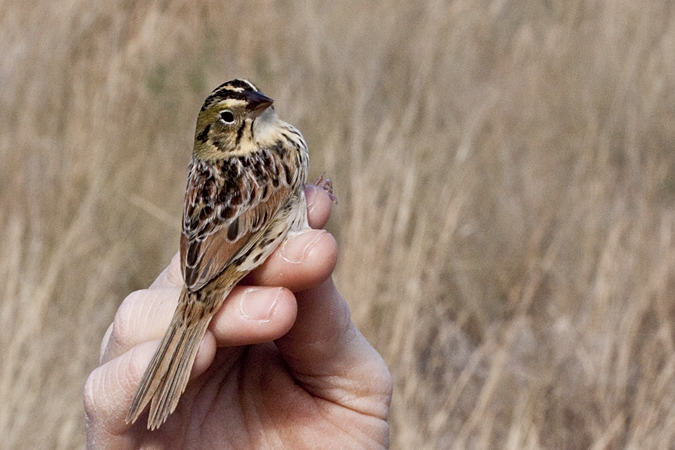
(169, 371)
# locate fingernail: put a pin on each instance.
(258, 304)
(296, 248)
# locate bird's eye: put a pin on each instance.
(227, 117)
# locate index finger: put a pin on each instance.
(171, 276)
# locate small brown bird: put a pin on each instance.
(245, 192)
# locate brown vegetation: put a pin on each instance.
(506, 176)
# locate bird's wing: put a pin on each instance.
(224, 211)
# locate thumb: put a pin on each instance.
(331, 358)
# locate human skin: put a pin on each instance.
(281, 365)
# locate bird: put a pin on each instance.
(244, 195)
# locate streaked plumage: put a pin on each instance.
(245, 192)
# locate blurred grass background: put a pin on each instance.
(506, 176)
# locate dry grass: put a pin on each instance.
(506, 175)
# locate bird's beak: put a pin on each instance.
(257, 103)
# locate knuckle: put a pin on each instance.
(91, 388)
(126, 318)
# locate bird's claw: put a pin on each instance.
(327, 185)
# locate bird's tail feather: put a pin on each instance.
(169, 371)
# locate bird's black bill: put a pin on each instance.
(257, 103)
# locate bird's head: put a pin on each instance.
(226, 125)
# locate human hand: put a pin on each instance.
(281, 365)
